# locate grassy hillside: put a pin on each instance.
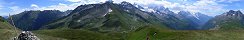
(7, 31)
(141, 34)
(74, 34)
(185, 34)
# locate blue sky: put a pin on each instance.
(209, 7)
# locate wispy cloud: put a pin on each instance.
(74, 0)
(60, 6)
(229, 1)
(16, 9)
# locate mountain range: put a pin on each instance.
(99, 16)
(232, 20)
(106, 17)
(126, 21)
(182, 20)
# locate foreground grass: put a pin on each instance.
(141, 34)
(185, 34)
(70, 34)
(7, 34)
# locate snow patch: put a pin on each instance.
(136, 6)
(195, 15)
(127, 10)
(78, 20)
(148, 9)
(109, 10)
(151, 10)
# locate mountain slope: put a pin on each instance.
(232, 20)
(4, 24)
(106, 20)
(156, 33)
(182, 20)
(106, 17)
(7, 31)
(190, 18)
(33, 20)
(169, 18)
(202, 18)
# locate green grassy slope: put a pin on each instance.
(7, 34)
(141, 34)
(72, 34)
(7, 31)
(185, 34)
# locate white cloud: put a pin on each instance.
(16, 10)
(60, 6)
(64, 7)
(34, 6)
(229, 1)
(242, 10)
(86, 1)
(203, 6)
(74, 0)
(210, 7)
